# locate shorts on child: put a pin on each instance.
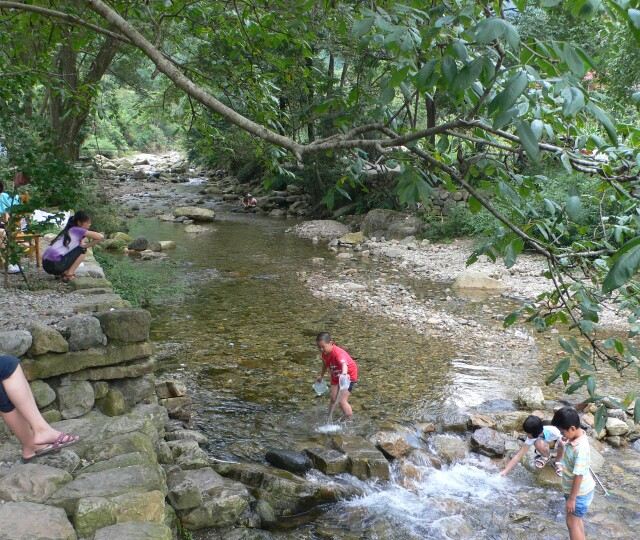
(8, 365)
(582, 504)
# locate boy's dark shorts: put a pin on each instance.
(8, 365)
(58, 268)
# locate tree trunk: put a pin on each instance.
(71, 100)
(430, 105)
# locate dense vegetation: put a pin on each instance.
(529, 106)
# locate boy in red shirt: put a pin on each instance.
(339, 363)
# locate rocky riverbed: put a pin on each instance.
(401, 471)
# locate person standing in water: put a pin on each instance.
(340, 364)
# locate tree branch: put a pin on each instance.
(70, 19)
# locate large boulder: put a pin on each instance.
(46, 339)
(390, 224)
(615, 426)
(15, 342)
(127, 325)
(94, 513)
(392, 444)
(287, 493)
(478, 280)
(138, 244)
(50, 364)
(365, 460)
(75, 399)
(136, 389)
(109, 483)
(488, 442)
(188, 454)
(32, 483)
(322, 229)
(84, 332)
(205, 499)
(30, 521)
(113, 403)
(135, 531)
(530, 397)
(42, 393)
(289, 460)
(449, 447)
(195, 213)
(328, 460)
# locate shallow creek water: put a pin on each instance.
(239, 330)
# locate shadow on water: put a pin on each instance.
(242, 337)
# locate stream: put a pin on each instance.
(237, 325)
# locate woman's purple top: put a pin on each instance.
(57, 250)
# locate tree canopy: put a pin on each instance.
(487, 97)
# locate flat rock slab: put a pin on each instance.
(134, 531)
(100, 302)
(109, 483)
(90, 283)
(30, 521)
(50, 365)
(365, 460)
(328, 460)
(323, 229)
(488, 442)
(32, 483)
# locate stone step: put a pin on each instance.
(26, 521)
(100, 302)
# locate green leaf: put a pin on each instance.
(512, 91)
(574, 60)
(513, 249)
(591, 385)
(467, 75)
(601, 418)
(528, 140)
(634, 17)
(575, 386)
(449, 69)
(635, 97)
(361, 27)
(510, 319)
(625, 264)
(636, 411)
(604, 119)
(474, 205)
(424, 77)
(566, 162)
(574, 207)
(537, 126)
(573, 101)
(489, 30)
(561, 367)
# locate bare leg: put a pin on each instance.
(19, 392)
(72, 269)
(21, 429)
(333, 393)
(576, 527)
(542, 448)
(344, 404)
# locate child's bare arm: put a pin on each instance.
(515, 460)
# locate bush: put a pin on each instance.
(459, 222)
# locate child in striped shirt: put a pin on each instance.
(578, 484)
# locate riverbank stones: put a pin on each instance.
(28, 521)
(15, 342)
(46, 339)
(31, 482)
(488, 442)
(328, 460)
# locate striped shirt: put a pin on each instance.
(576, 462)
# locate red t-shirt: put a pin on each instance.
(334, 362)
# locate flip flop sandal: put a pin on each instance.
(63, 440)
(540, 461)
(67, 279)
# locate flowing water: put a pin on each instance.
(238, 327)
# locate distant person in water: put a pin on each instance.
(339, 363)
(249, 201)
(69, 248)
(541, 437)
